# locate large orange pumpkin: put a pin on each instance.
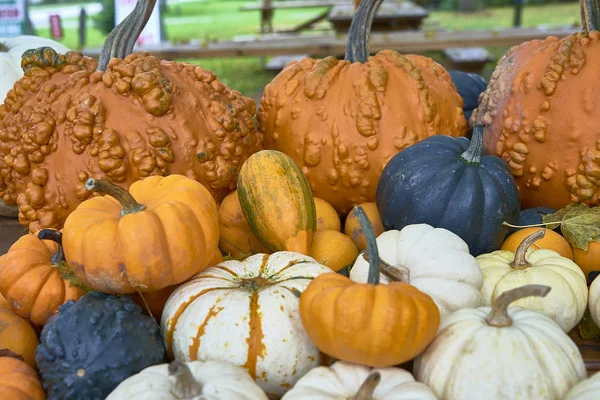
(18, 381)
(541, 105)
(342, 120)
(70, 118)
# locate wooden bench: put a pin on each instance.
(276, 64)
(467, 59)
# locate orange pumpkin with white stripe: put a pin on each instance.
(246, 313)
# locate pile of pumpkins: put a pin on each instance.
(353, 244)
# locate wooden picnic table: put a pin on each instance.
(392, 15)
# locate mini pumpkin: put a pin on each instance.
(594, 300)
(327, 217)
(18, 381)
(368, 323)
(434, 260)
(551, 241)
(587, 389)
(159, 234)
(333, 249)
(195, 380)
(18, 336)
(246, 313)
(353, 229)
(504, 270)
(588, 260)
(344, 380)
(34, 276)
(342, 120)
(514, 352)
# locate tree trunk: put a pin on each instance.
(467, 6)
(28, 28)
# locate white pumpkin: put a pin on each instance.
(438, 263)
(504, 270)
(594, 300)
(246, 313)
(501, 353)
(588, 389)
(195, 380)
(346, 381)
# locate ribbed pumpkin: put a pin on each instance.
(18, 381)
(342, 120)
(18, 336)
(122, 119)
(541, 105)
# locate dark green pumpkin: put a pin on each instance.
(94, 344)
(448, 183)
(532, 216)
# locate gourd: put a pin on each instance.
(246, 313)
(539, 104)
(18, 381)
(333, 249)
(277, 202)
(551, 241)
(327, 217)
(343, 120)
(587, 389)
(504, 270)
(3, 304)
(515, 353)
(33, 276)
(18, 336)
(588, 260)
(369, 323)
(344, 380)
(124, 118)
(447, 183)
(195, 380)
(434, 260)
(353, 229)
(92, 345)
(160, 233)
(594, 300)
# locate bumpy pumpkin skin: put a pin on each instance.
(541, 107)
(65, 122)
(18, 381)
(342, 122)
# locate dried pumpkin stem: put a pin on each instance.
(121, 40)
(398, 273)
(366, 390)
(473, 153)
(590, 14)
(185, 387)
(56, 237)
(499, 316)
(520, 261)
(3, 48)
(129, 204)
(371, 252)
(357, 48)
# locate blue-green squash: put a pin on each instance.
(94, 344)
(448, 183)
(531, 216)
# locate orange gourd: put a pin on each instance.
(342, 120)
(368, 323)
(540, 108)
(161, 233)
(550, 241)
(18, 336)
(327, 217)
(353, 229)
(18, 381)
(588, 260)
(124, 118)
(333, 249)
(3, 304)
(31, 277)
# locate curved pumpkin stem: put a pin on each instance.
(129, 204)
(366, 390)
(121, 40)
(499, 317)
(56, 237)
(520, 262)
(590, 15)
(371, 252)
(185, 387)
(357, 48)
(473, 153)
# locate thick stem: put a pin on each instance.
(590, 14)
(520, 261)
(120, 42)
(56, 237)
(499, 317)
(185, 387)
(371, 252)
(357, 48)
(473, 153)
(366, 390)
(397, 273)
(3, 48)
(118, 193)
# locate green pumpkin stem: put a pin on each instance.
(56, 237)
(520, 261)
(371, 251)
(129, 204)
(185, 387)
(590, 15)
(357, 48)
(120, 41)
(499, 316)
(473, 153)
(367, 388)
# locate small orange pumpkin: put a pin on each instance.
(333, 249)
(368, 323)
(18, 381)
(588, 260)
(327, 217)
(160, 234)
(353, 229)
(550, 241)
(18, 336)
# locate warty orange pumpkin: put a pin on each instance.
(342, 120)
(126, 118)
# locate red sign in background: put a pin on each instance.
(56, 29)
